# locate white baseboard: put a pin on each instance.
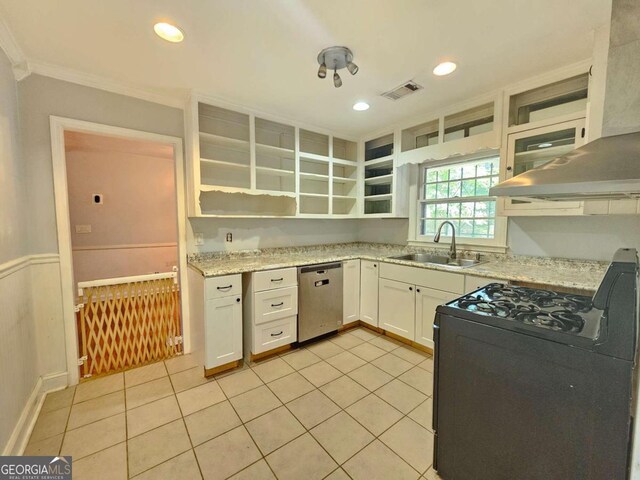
(22, 431)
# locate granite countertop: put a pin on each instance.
(551, 272)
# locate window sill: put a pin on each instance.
(445, 242)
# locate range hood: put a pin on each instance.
(608, 167)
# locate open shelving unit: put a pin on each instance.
(247, 166)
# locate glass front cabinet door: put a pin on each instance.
(533, 148)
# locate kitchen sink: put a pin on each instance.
(438, 260)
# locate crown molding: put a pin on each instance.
(102, 83)
(14, 53)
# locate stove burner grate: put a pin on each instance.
(542, 308)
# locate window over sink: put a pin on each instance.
(459, 192)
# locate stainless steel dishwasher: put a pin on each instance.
(319, 299)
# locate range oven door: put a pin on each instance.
(508, 405)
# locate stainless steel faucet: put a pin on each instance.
(452, 249)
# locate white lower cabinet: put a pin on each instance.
(270, 310)
(351, 291)
(408, 299)
(215, 309)
(427, 300)
(369, 292)
(223, 330)
(397, 300)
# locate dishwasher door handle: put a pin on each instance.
(320, 283)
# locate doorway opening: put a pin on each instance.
(124, 240)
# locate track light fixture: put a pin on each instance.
(322, 71)
(336, 58)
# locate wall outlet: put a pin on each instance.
(229, 237)
(83, 228)
(198, 238)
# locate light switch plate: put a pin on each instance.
(83, 228)
(199, 238)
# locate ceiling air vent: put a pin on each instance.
(402, 91)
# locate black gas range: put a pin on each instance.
(536, 384)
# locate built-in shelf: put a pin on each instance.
(343, 197)
(276, 172)
(379, 180)
(247, 166)
(224, 141)
(314, 176)
(222, 163)
(344, 180)
(317, 195)
(276, 151)
(378, 162)
(378, 198)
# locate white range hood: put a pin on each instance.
(608, 167)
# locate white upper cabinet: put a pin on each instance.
(533, 148)
(462, 129)
(245, 165)
(384, 184)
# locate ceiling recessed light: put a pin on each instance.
(168, 32)
(444, 68)
(361, 106)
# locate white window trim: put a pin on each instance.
(497, 244)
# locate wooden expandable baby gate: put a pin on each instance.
(125, 322)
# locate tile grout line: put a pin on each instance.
(184, 423)
(262, 456)
(295, 370)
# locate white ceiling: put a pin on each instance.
(262, 53)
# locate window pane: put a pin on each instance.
(445, 185)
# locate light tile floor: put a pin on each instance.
(356, 405)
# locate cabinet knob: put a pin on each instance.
(509, 168)
(374, 265)
(418, 290)
(411, 288)
(238, 300)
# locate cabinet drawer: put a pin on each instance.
(283, 277)
(275, 334)
(274, 304)
(445, 281)
(218, 287)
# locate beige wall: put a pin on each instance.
(139, 211)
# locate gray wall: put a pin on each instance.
(13, 183)
(269, 233)
(588, 237)
(40, 97)
(18, 356)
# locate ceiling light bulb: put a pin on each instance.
(361, 106)
(337, 81)
(444, 68)
(168, 32)
(352, 67)
(322, 71)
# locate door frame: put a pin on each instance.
(58, 126)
